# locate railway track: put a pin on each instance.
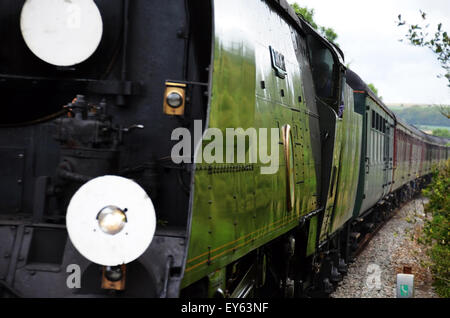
(368, 237)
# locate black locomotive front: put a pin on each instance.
(69, 116)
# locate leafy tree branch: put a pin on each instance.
(437, 40)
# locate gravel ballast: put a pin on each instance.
(374, 272)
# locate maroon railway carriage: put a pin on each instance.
(415, 153)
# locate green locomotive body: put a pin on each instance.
(237, 209)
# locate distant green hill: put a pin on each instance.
(424, 116)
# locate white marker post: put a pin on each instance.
(405, 284)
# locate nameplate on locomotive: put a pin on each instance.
(278, 63)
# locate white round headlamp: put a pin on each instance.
(61, 32)
(111, 221)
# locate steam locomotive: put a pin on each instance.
(93, 202)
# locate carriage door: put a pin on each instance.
(386, 129)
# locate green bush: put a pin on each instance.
(437, 229)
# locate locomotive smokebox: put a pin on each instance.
(53, 50)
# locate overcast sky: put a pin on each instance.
(369, 36)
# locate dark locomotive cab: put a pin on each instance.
(327, 71)
(328, 74)
(61, 126)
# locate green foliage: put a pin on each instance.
(441, 133)
(422, 115)
(330, 34)
(437, 230)
(375, 90)
(308, 15)
(438, 41)
(445, 110)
